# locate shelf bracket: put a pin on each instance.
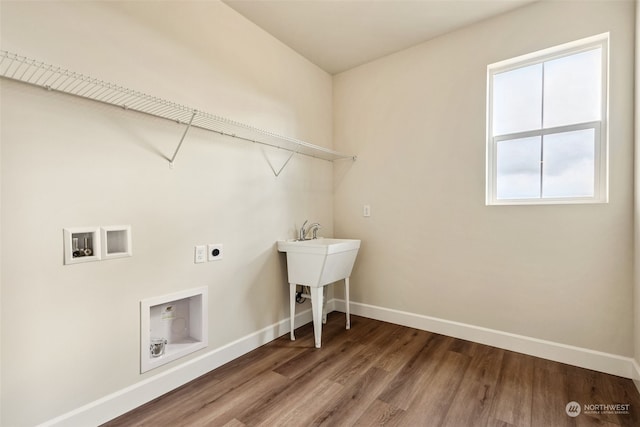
(175, 153)
(276, 173)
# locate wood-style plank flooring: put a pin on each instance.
(379, 374)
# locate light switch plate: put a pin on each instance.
(200, 254)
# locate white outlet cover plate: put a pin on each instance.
(211, 248)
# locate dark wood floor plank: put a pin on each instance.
(550, 395)
(234, 423)
(172, 404)
(208, 388)
(474, 397)
(378, 345)
(378, 374)
(589, 421)
(379, 413)
(408, 383)
(306, 382)
(514, 390)
(499, 423)
(226, 407)
(349, 405)
(406, 344)
(299, 411)
(626, 393)
(256, 361)
(432, 404)
(592, 388)
(310, 355)
(616, 391)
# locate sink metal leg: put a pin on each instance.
(346, 302)
(292, 309)
(324, 305)
(316, 308)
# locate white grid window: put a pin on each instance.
(546, 126)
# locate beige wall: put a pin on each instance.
(416, 119)
(637, 199)
(70, 334)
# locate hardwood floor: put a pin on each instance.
(383, 374)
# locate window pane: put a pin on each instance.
(517, 100)
(569, 164)
(573, 89)
(518, 168)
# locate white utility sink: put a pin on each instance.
(317, 263)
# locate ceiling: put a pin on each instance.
(338, 35)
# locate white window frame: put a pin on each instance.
(601, 185)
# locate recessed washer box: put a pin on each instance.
(81, 244)
(116, 241)
(178, 322)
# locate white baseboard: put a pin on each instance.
(636, 374)
(122, 401)
(576, 356)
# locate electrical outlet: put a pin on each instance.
(200, 254)
(366, 211)
(214, 252)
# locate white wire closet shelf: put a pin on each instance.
(50, 77)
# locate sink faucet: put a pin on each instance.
(303, 232)
(315, 227)
(302, 235)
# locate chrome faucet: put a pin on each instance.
(315, 227)
(303, 232)
(302, 235)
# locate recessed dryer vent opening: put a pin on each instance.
(116, 241)
(172, 326)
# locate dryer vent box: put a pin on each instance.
(116, 241)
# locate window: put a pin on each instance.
(546, 126)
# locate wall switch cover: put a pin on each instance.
(200, 254)
(366, 211)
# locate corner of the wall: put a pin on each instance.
(636, 375)
(1, 334)
(636, 284)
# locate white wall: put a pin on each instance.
(431, 247)
(70, 334)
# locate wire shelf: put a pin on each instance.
(31, 71)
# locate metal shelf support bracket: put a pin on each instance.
(277, 173)
(175, 153)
